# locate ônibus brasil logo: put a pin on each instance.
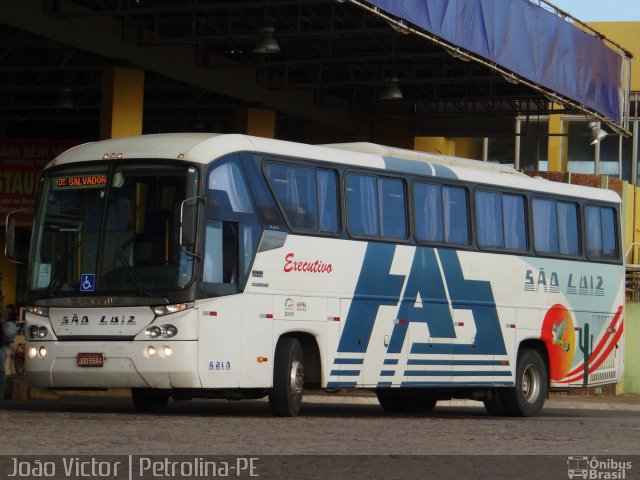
(597, 469)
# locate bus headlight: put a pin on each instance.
(37, 332)
(33, 331)
(42, 351)
(153, 332)
(169, 331)
(40, 311)
(166, 331)
(33, 352)
(161, 310)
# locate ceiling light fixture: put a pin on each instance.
(267, 43)
(392, 91)
(597, 134)
(65, 99)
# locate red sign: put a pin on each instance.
(20, 165)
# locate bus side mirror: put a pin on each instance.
(10, 237)
(188, 221)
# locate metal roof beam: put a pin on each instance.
(103, 36)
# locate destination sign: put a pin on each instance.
(81, 181)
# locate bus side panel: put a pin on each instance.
(504, 366)
(257, 341)
(327, 356)
(219, 349)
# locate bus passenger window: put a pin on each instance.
(515, 223)
(362, 205)
(601, 233)
(489, 219)
(295, 189)
(428, 212)
(568, 238)
(441, 214)
(609, 247)
(393, 219)
(328, 201)
(500, 220)
(456, 218)
(555, 227)
(545, 226)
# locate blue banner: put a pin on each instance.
(527, 40)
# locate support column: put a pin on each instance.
(258, 122)
(634, 154)
(122, 99)
(557, 148)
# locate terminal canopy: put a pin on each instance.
(527, 43)
(429, 67)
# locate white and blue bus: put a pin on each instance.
(229, 266)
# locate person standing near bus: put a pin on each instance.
(9, 330)
(2, 355)
(12, 313)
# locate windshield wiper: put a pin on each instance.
(53, 285)
(132, 273)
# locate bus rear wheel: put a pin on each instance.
(530, 392)
(149, 399)
(288, 378)
(494, 403)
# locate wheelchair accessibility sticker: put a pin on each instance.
(88, 282)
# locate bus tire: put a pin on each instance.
(530, 392)
(388, 400)
(149, 399)
(494, 403)
(288, 378)
(424, 404)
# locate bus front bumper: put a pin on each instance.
(121, 364)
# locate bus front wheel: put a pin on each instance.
(288, 378)
(528, 396)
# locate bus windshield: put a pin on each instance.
(112, 229)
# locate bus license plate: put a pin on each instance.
(90, 359)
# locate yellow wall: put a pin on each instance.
(443, 145)
(468, 148)
(636, 228)
(260, 122)
(626, 34)
(557, 147)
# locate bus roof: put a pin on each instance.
(205, 147)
